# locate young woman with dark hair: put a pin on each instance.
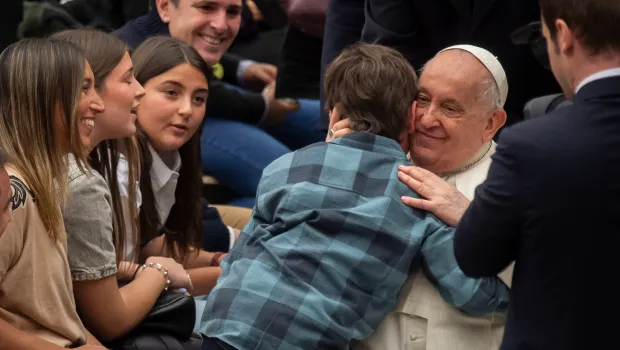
(169, 117)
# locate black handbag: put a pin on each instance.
(159, 342)
(168, 326)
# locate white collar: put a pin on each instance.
(471, 162)
(608, 73)
(160, 172)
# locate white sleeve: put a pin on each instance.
(231, 241)
(122, 174)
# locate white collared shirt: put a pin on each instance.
(608, 73)
(164, 181)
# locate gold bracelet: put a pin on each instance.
(163, 270)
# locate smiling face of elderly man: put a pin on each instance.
(459, 111)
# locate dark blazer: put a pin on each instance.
(223, 102)
(419, 29)
(343, 27)
(552, 203)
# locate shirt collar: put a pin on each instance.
(374, 143)
(472, 161)
(608, 73)
(160, 172)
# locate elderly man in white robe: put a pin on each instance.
(459, 111)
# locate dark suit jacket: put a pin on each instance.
(343, 27)
(223, 102)
(420, 29)
(552, 203)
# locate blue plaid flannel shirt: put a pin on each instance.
(329, 247)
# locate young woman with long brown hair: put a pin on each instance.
(47, 109)
(169, 116)
(99, 238)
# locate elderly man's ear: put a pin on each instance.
(494, 123)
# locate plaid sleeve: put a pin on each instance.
(474, 296)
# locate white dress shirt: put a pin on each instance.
(164, 181)
(608, 73)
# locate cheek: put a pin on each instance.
(152, 122)
(453, 130)
(194, 25)
(419, 112)
(197, 118)
(234, 25)
(123, 96)
(82, 107)
(183, 24)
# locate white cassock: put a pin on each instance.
(422, 320)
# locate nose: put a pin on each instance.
(140, 92)
(426, 117)
(185, 110)
(218, 21)
(96, 104)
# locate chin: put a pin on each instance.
(85, 141)
(423, 156)
(211, 58)
(170, 146)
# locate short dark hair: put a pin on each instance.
(596, 22)
(374, 87)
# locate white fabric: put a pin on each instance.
(122, 175)
(231, 241)
(164, 181)
(491, 63)
(608, 73)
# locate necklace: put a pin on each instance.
(468, 166)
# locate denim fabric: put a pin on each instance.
(236, 153)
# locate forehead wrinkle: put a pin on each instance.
(460, 73)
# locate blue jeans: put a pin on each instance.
(236, 153)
